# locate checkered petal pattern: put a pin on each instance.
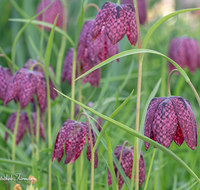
(169, 119)
(186, 52)
(126, 164)
(71, 138)
(50, 14)
(142, 9)
(117, 21)
(23, 123)
(5, 77)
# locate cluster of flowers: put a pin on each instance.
(167, 119)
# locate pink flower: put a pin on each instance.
(23, 123)
(51, 13)
(186, 52)
(5, 77)
(117, 20)
(169, 119)
(72, 136)
(127, 164)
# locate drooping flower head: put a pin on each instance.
(127, 164)
(5, 77)
(23, 85)
(23, 123)
(169, 119)
(142, 9)
(31, 62)
(186, 52)
(71, 138)
(117, 20)
(50, 14)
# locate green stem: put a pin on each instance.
(92, 154)
(169, 79)
(149, 172)
(133, 166)
(195, 92)
(91, 5)
(15, 135)
(37, 129)
(138, 98)
(118, 2)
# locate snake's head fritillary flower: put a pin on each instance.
(169, 119)
(142, 9)
(186, 52)
(5, 77)
(72, 136)
(23, 85)
(23, 123)
(31, 62)
(126, 164)
(67, 67)
(117, 20)
(95, 76)
(50, 13)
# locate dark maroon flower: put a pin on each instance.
(126, 164)
(142, 9)
(23, 85)
(169, 119)
(50, 14)
(117, 20)
(23, 123)
(31, 62)
(72, 137)
(186, 52)
(5, 77)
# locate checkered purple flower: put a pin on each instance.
(22, 126)
(117, 20)
(5, 77)
(50, 14)
(169, 119)
(142, 9)
(186, 52)
(71, 138)
(23, 85)
(127, 164)
(31, 62)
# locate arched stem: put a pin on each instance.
(120, 158)
(92, 154)
(169, 79)
(92, 5)
(9, 64)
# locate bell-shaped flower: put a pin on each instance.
(31, 62)
(23, 85)
(127, 165)
(117, 20)
(169, 119)
(142, 9)
(50, 13)
(22, 125)
(186, 52)
(71, 138)
(5, 77)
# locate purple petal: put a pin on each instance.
(165, 123)
(185, 119)
(178, 138)
(150, 117)
(27, 88)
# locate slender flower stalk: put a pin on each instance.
(37, 129)
(138, 97)
(149, 172)
(9, 64)
(91, 5)
(169, 79)
(15, 135)
(92, 154)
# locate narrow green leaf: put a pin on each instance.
(110, 160)
(136, 134)
(136, 51)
